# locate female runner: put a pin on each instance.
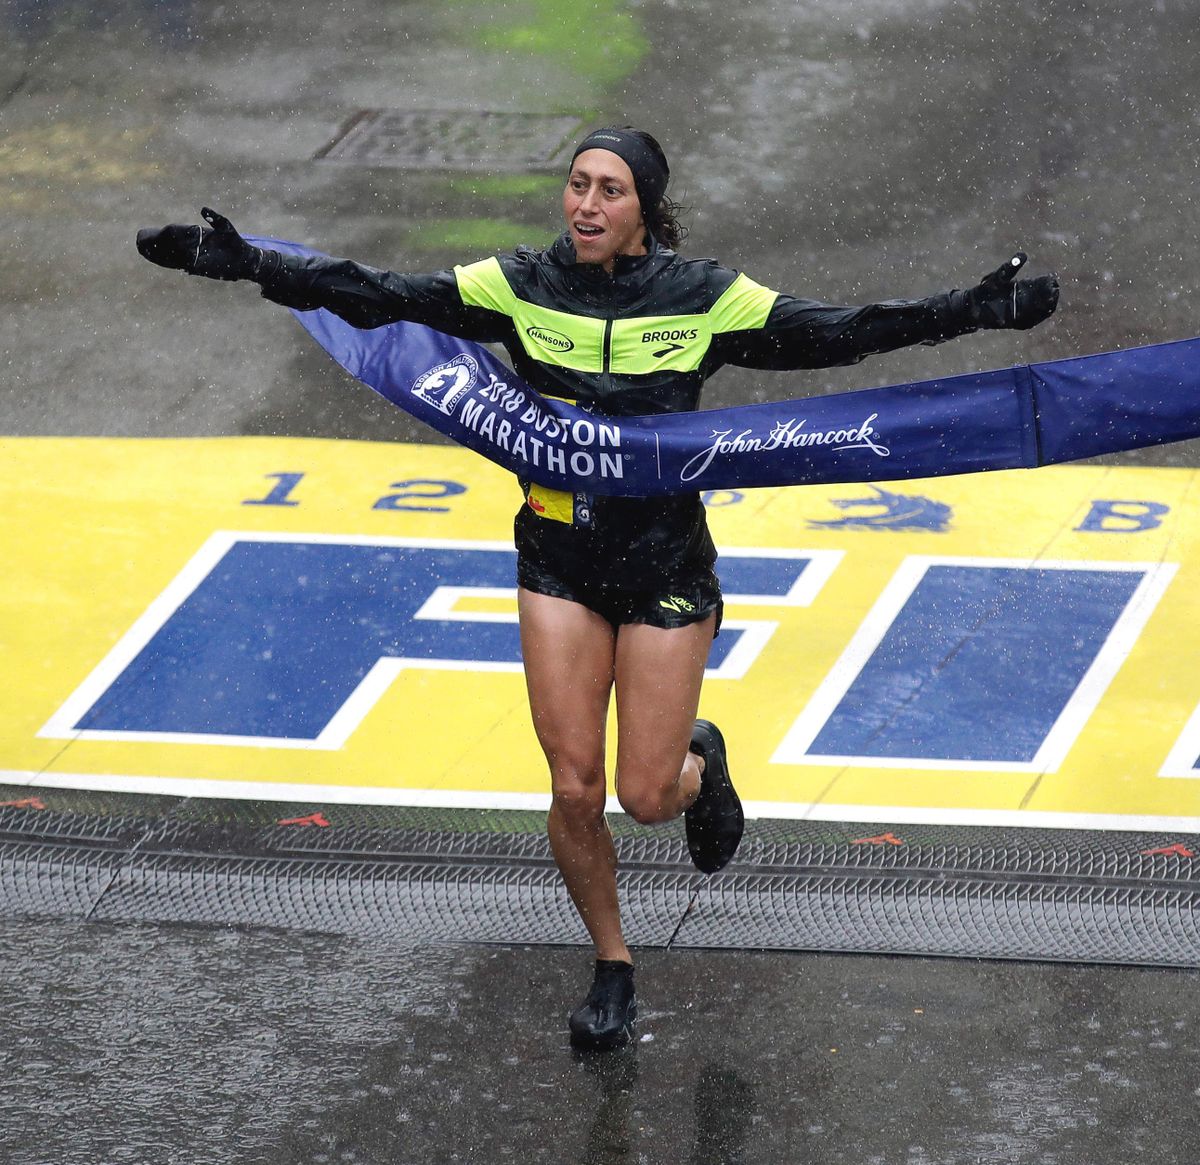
(615, 595)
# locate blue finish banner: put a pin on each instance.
(1011, 418)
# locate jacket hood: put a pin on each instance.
(562, 253)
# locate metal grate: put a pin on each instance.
(488, 876)
(948, 916)
(434, 902)
(452, 140)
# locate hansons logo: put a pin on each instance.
(785, 435)
(521, 423)
(555, 341)
(444, 385)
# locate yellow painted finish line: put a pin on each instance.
(843, 682)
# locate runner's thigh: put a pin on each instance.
(568, 654)
(658, 676)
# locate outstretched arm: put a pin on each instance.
(802, 333)
(364, 297)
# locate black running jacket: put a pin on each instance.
(641, 340)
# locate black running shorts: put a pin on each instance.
(676, 603)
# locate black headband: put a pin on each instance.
(650, 172)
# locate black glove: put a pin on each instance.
(219, 253)
(1001, 300)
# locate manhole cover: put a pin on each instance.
(452, 140)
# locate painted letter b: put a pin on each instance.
(1117, 517)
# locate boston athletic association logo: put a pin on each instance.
(889, 511)
(444, 385)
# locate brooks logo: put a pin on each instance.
(667, 337)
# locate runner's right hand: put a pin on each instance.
(216, 251)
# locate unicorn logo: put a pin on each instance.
(898, 512)
(444, 385)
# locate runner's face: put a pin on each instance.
(600, 204)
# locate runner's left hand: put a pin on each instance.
(1001, 300)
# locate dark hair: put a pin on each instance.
(662, 221)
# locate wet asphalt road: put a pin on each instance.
(845, 151)
(186, 1045)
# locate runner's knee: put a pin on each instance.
(578, 791)
(648, 803)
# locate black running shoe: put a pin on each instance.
(714, 821)
(605, 1018)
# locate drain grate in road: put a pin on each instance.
(488, 876)
(453, 140)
